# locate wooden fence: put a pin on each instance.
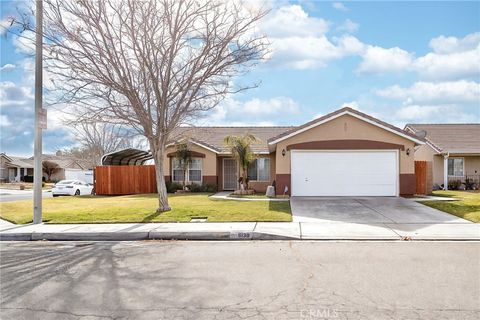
(122, 180)
(424, 177)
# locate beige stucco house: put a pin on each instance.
(453, 150)
(344, 153)
(17, 169)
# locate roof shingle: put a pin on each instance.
(453, 138)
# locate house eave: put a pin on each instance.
(346, 112)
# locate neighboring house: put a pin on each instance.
(453, 150)
(344, 153)
(15, 169)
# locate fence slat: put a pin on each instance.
(123, 180)
(421, 176)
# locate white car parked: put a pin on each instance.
(71, 188)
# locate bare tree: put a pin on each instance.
(97, 139)
(49, 168)
(150, 65)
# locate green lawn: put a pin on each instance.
(468, 207)
(141, 208)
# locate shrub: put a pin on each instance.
(172, 187)
(454, 184)
(194, 187)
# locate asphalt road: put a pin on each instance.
(4, 196)
(238, 280)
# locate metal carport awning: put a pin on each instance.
(128, 157)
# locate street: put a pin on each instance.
(17, 195)
(233, 280)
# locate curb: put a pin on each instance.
(185, 236)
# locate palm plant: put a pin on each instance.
(241, 151)
(183, 155)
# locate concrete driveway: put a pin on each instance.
(367, 210)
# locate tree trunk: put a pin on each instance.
(158, 153)
(184, 178)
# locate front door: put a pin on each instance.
(230, 179)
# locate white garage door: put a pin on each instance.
(344, 173)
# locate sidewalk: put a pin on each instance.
(241, 231)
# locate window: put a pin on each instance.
(455, 167)
(194, 170)
(259, 170)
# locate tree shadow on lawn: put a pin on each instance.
(280, 206)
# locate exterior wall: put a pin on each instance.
(209, 164)
(3, 169)
(260, 186)
(424, 153)
(347, 127)
(472, 167)
(438, 169)
(56, 176)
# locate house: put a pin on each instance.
(16, 169)
(344, 153)
(453, 150)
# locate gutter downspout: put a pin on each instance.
(445, 171)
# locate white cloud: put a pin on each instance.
(7, 67)
(292, 20)
(271, 106)
(14, 95)
(433, 114)
(462, 91)
(4, 122)
(353, 104)
(381, 60)
(298, 40)
(445, 45)
(252, 112)
(452, 58)
(25, 42)
(348, 26)
(5, 23)
(339, 6)
(455, 65)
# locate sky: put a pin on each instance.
(403, 62)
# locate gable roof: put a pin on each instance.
(341, 112)
(20, 162)
(211, 138)
(452, 138)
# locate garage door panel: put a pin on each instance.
(344, 173)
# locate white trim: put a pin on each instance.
(342, 114)
(196, 143)
(463, 167)
(204, 146)
(229, 153)
(187, 173)
(269, 171)
(397, 162)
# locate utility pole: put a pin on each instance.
(37, 152)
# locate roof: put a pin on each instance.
(459, 138)
(20, 162)
(340, 112)
(127, 156)
(212, 137)
(67, 162)
(62, 161)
